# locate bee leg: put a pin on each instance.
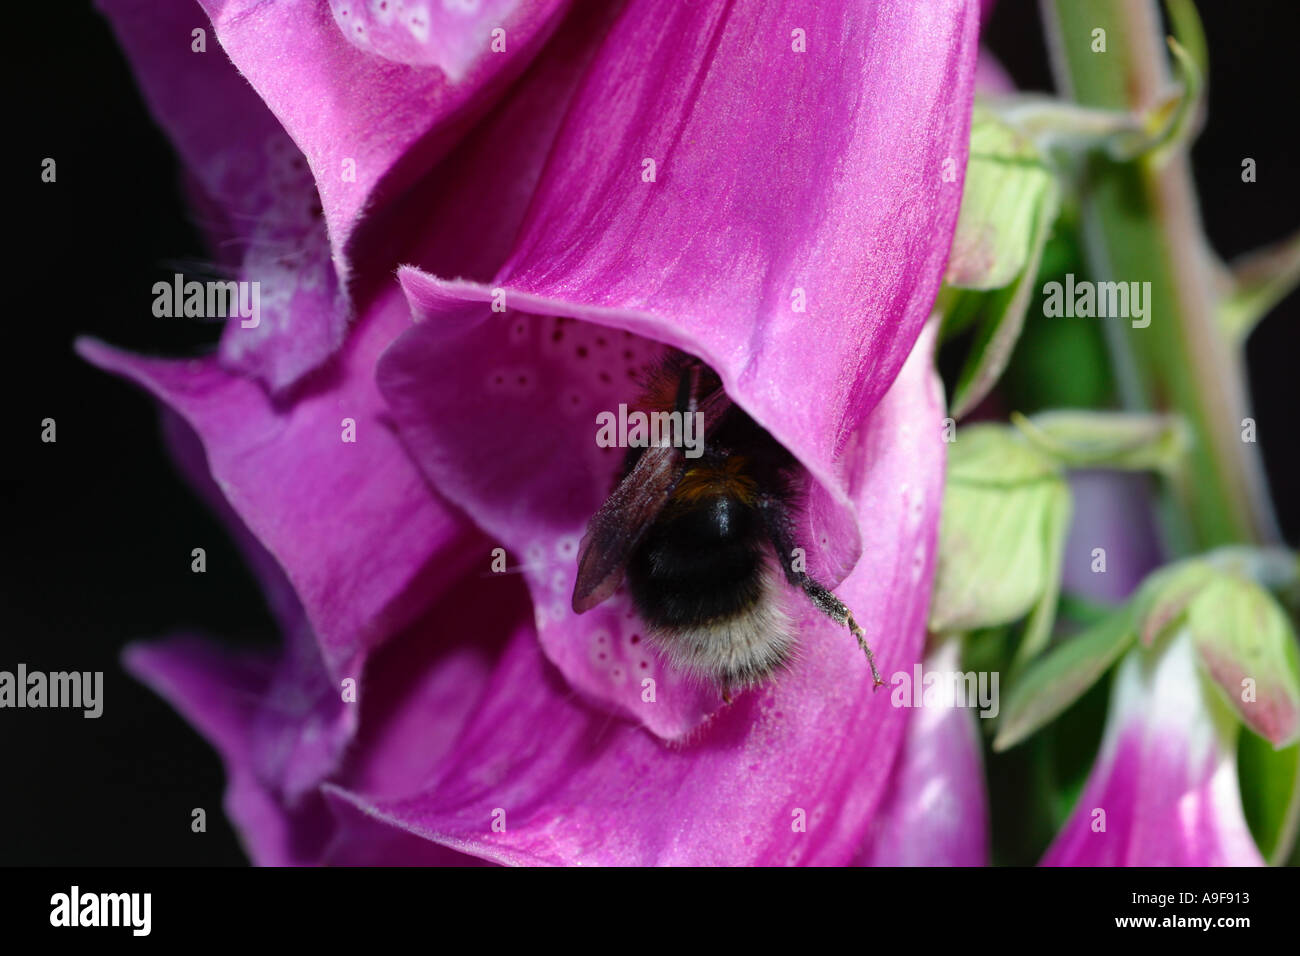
(726, 695)
(777, 522)
(838, 612)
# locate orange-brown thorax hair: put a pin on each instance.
(725, 477)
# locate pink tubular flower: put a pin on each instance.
(803, 285)
(286, 182)
(447, 732)
(1164, 789)
(769, 186)
(362, 539)
(935, 811)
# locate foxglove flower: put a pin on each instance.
(805, 291)
(445, 733)
(354, 526)
(1164, 789)
(935, 811)
(791, 233)
(294, 139)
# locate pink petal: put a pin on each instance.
(247, 715)
(778, 174)
(228, 699)
(356, 529)
(228, 145)
(461, 218)
(422, 687)
(419, 692)
(257, 197)
(991, 77)
(277, 720)
(500, 414)
(935, 811)
(258, 202)
(450, 34)
(576, 786)
(302, 312)
(652, 264)
(1166, 776)
(362, 840)
(392, 122)
(281, 726)
(186, 450)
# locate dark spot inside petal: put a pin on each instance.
(582, 351)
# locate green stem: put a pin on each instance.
(1141, 223)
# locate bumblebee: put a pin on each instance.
(706, 544)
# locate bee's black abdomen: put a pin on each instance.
(699, 565)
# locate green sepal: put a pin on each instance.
(1038, 629)
(1248, 647)
(1124, 442)
(1006, 514)
(1237, 626)
(1061, 676)
(1160, 605)
(1270, 794)
(1002, 505)
(1009, 203)
(1008, 186)
(1257, 282)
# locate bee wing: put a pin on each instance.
(622, 521)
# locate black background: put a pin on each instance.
(98, 528)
